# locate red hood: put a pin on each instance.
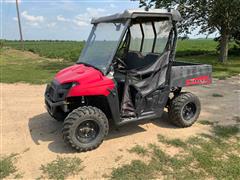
(91, 81)
(78, 73)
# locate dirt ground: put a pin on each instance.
(27, 129)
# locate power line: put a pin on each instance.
(19, 25)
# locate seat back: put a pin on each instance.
(135, 60)
(150, 58)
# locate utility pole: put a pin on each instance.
(19, 25)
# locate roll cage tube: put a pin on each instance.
(143, 35)
(155, 37)
(174, 40)
(173, 53)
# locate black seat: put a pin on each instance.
(150, 58)
(135, 60)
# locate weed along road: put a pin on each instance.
(28, 130)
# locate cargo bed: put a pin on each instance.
(189, 74)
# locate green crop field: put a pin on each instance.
(18, 66)
(68, 50)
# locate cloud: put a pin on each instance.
(113, 6)
(85, 19)
(82, 20)
(78, 20)
(31, 19)
(11, 1)
(80, 23)
(51, 25)
(94, 12)
(63, 19)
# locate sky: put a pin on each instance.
(58, 19)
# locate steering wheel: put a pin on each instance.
(120, 63)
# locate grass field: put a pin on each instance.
(67, 50)
(18, 66)
(22, 67)
(206, 156)
(70, 50)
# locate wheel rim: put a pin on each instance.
(189, 111)
(87, 131)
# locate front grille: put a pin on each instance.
(50, 92)
(55, 92)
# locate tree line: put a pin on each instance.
(222, 16)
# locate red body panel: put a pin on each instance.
(199, 80)
(91, 81)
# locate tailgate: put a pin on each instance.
(189, 74)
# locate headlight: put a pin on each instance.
(75, 84)
(69, 85)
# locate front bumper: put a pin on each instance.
(54, 107)
(55, 98)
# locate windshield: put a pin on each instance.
(101, 45)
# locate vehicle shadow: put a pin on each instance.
(43, 128)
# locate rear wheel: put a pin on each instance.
(85, 128)
(184, 109)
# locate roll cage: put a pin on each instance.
(139, 17)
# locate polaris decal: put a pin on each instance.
(198, 80)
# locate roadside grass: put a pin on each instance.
(214, 156)
(7, 166)
(206, 122)
(136, 170)
(226, 132)
(217, 95)
(61, 168)
(140, 150)
(17, 66)
(174, 142)
(118, 158)
(237, 119)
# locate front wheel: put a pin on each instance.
(184, 109)
(85, 128)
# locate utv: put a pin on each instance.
(125, 73)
